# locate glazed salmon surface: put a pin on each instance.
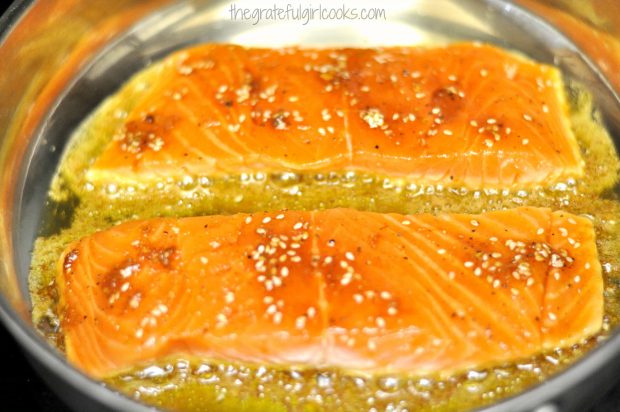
(463, 115)
(357, 290)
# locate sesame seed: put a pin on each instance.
(311, 312)
(135, 301)
(385, 295)
(527, 117)
(447, 132)
(577, 279)
(269, 285)
(491, 121)
(451, 275)
(298, 226)
(468, 264)
(514, 291)
(496, 283)
(266, 220)
(380, 322)
(277, 318)
(540, 231)
(525, 142)
(204, 260)
(349, 256)
(280, 216)
(484, 72)
(392, 311)
(475, 223)
(234, 127)
(128, 271)
(358, 298)
(441, 251)
(221, 319)
(248, 220)
(373, 117)
(300, 322)
(230, 297)
(552, 316)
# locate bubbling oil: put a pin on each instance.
(186, 384)
(192, 384)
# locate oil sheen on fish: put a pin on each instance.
(340, 288)
(466, 115)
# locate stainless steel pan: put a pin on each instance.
(59, 58)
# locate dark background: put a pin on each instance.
(21, 388)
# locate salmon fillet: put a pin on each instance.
(339, 288)
(463, 115)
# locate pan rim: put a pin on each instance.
(547, 392)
